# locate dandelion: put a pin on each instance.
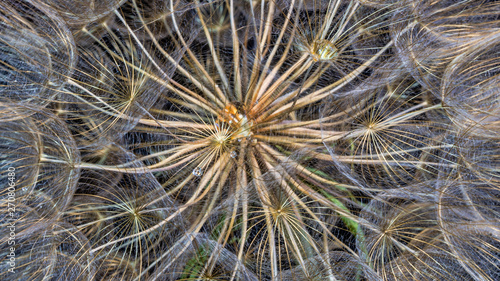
(251, 140)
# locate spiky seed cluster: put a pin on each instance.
(249, 140)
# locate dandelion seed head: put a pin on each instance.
(237, 122)
(251, 139)
(323, 50)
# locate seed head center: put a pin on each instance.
(322, 50)
(237, 120)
